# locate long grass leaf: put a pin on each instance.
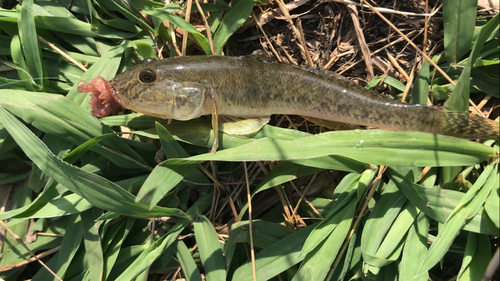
(492, 205)
(477, 256)
(97, 190)
(18, 253)
(210, 249)
(414, 250)
(459, 18)
(202, 40)
(92, 244)
(349, 187)
(459, 98)
(29, 40)
(430, 201)
(464, 211)
(318, 262)
(153, 252)
(421, 85)
(275, 259)
(66, 205)
(70, 244)
(58, 116)
(187, 262)
(113, 245)
(234, 19)
(64, 25)
(395, 237)
(163, 179)
(370, 146)
(20, 64)
(381, 218)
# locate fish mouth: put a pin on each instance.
(104, 96)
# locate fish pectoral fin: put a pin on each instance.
(333, 125)
(233, 125)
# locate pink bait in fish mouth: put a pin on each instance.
(103, 101)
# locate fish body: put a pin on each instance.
(184, 88)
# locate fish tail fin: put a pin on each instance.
(468, 126)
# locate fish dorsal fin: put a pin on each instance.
(232, 125)
(259, 56)
(323, 72)
(337, 126)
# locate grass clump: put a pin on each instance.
(97, 198)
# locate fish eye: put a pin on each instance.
(149, 60)
(147, 76)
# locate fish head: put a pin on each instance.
(147, 88)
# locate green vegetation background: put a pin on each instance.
(94, 190)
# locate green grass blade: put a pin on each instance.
(145, 50)
(202, 40)
(163, 179)
(53, 8)
(485, 83)
(29, 40)
(97, 190)
(370, 146)
(352, 256)
(430, 201)
(76, 153)
(92, 244)
(459, 19)
(70, 244)
(477, 256)
(459, 98)
(334, 163)
(57, 115)
(188, 265)
(387, 209)
(276, 258)
(234, 19)
(131, 13)
(64, 25)
(318, 262)
(492, 205)
(112, 244)
(20, 64)
(66, 205)
(390, 248)
(210, 249)
(348, 188)
(387, 80)
(420, 90)
(158, 183)
(148, 256)
(153, 252)
(171, 148)
(395, 236)
(414, 250)
(466, 209)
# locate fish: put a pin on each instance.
(250, 87)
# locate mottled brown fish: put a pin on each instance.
(184, 88)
